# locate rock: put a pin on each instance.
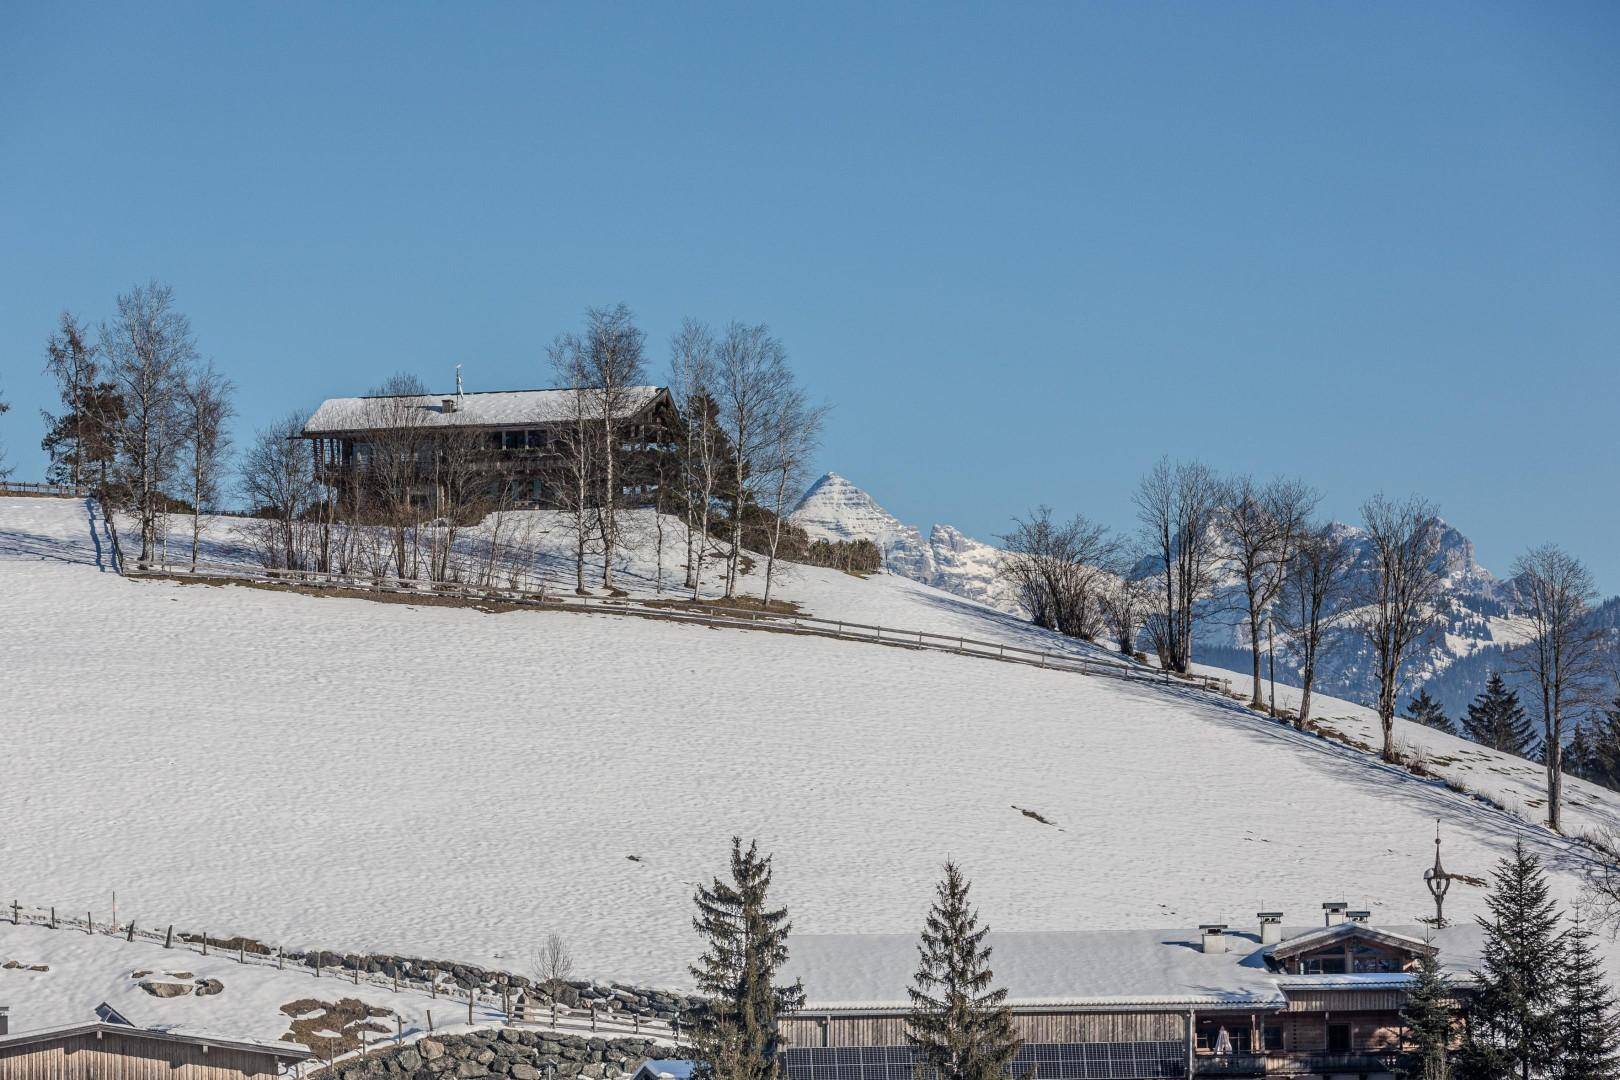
(471, 1068)
(430, 1049)
(208, 987)
(484, 1057)
(165, 989)
(409, 1060)
(511, 1035)
(524, 1071)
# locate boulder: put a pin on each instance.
(430, 1049)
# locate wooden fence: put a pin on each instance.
(18, 487)
(678, 611)
(507, 1005)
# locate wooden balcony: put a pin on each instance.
(1295, 1064)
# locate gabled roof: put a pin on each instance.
(279, 1050)
(1327, 935)
(1104, 970)
(494, 408)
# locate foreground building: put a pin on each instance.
(111, 1048)
(1276, 1001)
(512, 445)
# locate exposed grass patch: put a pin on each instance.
(331, 1028)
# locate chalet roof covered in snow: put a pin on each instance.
(1094, 968)
(493, 408)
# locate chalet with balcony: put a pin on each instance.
(1309, 1003)
(513, 446)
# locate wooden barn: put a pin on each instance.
(110, 1050)
(1308, 1003)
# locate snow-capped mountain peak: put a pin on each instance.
(835, 509)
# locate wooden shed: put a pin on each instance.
(110, 1051)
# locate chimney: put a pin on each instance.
(1213, 938)
(449, 405)
(1333, 912)
(1270, 927)
(1360, 918)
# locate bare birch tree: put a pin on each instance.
(606, 366)
(701, 453)
(279, 481)
(578, 444)
(1564, 654)
(205, 407)
(1316, 590)
(148, 347)
(751, 377)
(393, 460)
(1123, 606)
(1177, 504)
(1260, 526)
(794, 431)
(1402, 588)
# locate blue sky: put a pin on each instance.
(1022, 250)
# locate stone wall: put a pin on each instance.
(504, 1052)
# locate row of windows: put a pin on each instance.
(1042, 1061)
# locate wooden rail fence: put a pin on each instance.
(677, 611)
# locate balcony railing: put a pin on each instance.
(1278, 1063)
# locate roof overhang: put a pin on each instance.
(279, 1051)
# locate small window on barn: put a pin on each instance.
(514, 440)
(1338, 1038)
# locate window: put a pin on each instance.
(1322, 965)
(513, 440)
(1273, 1038)
(1338, 1038)
(536, 439)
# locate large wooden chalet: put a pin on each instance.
(111, 1048)
(517, 439)
(1303, 1002)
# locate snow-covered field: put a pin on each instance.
(449, 783)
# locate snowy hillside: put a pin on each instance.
(449, 782)
(835, 509)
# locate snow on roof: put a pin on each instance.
(489, 408)
(678, 1068)
(1146, 968)
(283, 1050)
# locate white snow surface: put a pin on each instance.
(448, 783)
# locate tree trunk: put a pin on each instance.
(1254, 653)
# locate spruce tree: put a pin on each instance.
(1589, 1041)
(959, 1027)
(1496, 719)
(1513, 1025)
(1427, 711)
(734, 1036)
(1427, 1016)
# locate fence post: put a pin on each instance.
(131, 936)
(205, 942)
(280, 963)
(168, 937)
(89, 924)
(471, 992)
(16, 913)
(241, 952)
(53, 918)
(430, 1021)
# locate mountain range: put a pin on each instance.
(1479, 620)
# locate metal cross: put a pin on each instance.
(1438, 881)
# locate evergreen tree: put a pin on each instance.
(735, 1036)
(960, 1027)
(1589, 1040)
(1496, 719)
(1513, 1025)
(1427, 1016)
(1427, 711)
(1594, 753)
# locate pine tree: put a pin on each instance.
(1589, 1039)
(959, 1027)
(1594, 753)
(1427, 711)
(735, 1036)
(1513, 1025)
(1496, 719)
(1427, 1016)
